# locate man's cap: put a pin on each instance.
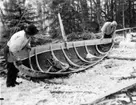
(31, 30)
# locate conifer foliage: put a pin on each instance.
(75, 16)
(17, 16)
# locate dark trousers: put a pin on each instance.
(12, 71)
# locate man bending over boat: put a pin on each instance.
(17, 42)
(108, 28)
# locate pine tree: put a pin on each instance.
(17, 16)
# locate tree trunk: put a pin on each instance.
(115, 16)
(98, 11)
(130, 14)
(133, 12)
(112, 10)
(123, 15)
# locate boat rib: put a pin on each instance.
(37, 63)
(48, 69)
(81, 58)
(56, 59)
(89, 52)
(69, 61)
(30, 63)
(99, 50)
(86, 67)
(62, 70)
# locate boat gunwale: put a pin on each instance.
(57, 46)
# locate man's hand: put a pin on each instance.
(28, 48)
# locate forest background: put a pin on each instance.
(80, 18)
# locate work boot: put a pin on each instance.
(10, 85)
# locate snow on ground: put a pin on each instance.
(78, 88)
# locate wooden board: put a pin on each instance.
(117, 88)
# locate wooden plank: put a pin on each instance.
(121, 57)
(118, 88)
(124, 29)
(62, 28)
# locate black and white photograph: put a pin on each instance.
(67, 52)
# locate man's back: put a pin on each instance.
(17, 41)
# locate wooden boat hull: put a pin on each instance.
(63, 58)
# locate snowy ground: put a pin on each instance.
(79, 88)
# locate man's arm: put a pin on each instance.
(28, 46)
(105, 26)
